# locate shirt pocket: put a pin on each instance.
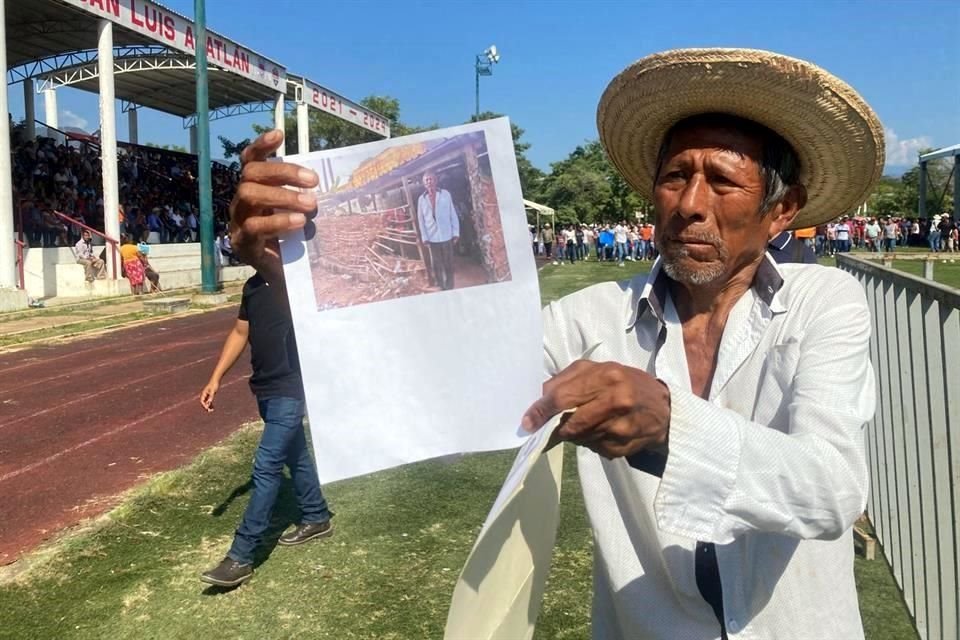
(776, 384)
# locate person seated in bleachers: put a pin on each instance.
(225, 249)
(94, 267)
(148, 271)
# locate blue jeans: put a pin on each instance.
(933, 240)
(282, 442)
(621, 251)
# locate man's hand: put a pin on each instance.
(254, 225)
(619, 410)
(207, 395)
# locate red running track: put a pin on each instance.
(82, 422)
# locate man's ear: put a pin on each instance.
(786, 211)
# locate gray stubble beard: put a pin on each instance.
(708, 273)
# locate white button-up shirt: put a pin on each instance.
(439, 223)
(770, 468)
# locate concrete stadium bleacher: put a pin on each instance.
(55, 273)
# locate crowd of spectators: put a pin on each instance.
(939, 233)
(623, 241)
(158, 192)
(609, 242)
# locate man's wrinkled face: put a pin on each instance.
(707, 200)
(430, 182)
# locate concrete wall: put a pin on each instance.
(177, 264)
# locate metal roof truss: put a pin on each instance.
(52, 64)
(91, 71)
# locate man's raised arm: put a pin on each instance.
(263, 207)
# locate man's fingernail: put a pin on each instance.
(306, 175)
(307, 199)
(526, 423)
(297, 218)
(274, 135)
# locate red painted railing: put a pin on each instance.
(22, 284)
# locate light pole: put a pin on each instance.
(484, 67)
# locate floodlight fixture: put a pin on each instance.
(483, 66)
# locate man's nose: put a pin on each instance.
(695, 198)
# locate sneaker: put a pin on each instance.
(306, 532)
(229, 573)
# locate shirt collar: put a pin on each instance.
(780, 241)
(649, 294)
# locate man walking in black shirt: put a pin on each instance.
(264, 321)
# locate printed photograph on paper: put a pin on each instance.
(405, 220)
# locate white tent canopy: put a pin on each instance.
(539, 208)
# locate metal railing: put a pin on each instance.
(64, 137)
(913, 443)
(21, 281)
(112, 242)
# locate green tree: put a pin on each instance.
(231, 148)
(585, 187)
(531, 178)
(939, 187)
(888, 198)
(901, 196)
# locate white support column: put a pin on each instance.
(193, 139)
(29, 111)
(303, 128)
(8, 256)
(279, 122)
(50, 108)
(108, 137)
(133, 133)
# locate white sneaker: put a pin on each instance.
(620, 264)
(555, 262)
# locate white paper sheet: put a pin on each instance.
(500, 589)
(393, 374)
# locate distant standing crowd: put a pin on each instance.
(611, 243)
(939, 234)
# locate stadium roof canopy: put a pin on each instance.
(55, 41)
(149, 51)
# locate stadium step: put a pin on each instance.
(55, 273)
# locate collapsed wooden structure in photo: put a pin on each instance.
(368, 229)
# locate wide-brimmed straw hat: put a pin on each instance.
(836, 135)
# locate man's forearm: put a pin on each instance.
(232, 348)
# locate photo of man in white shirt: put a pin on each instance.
(439, 230)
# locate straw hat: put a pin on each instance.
(836, 135)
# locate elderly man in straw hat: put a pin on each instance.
(720, 420)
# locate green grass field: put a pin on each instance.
(945, 272)
(387, 573)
